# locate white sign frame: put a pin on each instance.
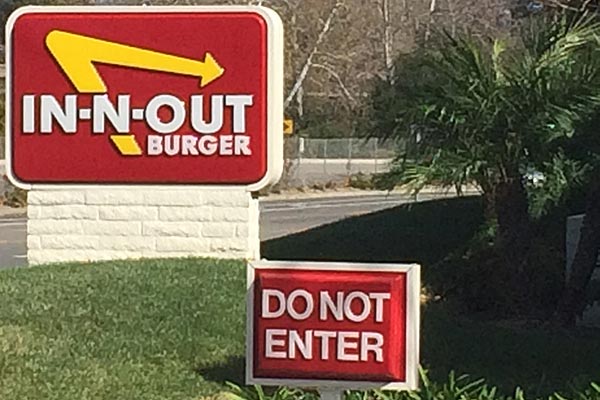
(274, 100)
(413, 294)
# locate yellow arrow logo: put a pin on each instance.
(126, 145)
(76, 55)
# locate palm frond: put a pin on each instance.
(487, 108)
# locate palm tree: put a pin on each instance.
(487, 111)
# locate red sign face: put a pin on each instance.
(343, 325)
(145, 95)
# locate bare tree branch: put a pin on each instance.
(432, 9)
(308, 63)
(332, 72)
(387, 39)
(348, 57)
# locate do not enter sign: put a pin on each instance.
(333, 325)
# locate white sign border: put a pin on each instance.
(413, 294)
(274, 100)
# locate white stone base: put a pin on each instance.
(105, 223)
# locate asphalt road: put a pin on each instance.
(13, 249)
(278, 218)
(284, 217)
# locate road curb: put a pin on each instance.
(10, 212)
(364, 193)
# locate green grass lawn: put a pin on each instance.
(120, 330)
(174, 329)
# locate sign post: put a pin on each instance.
(331, 394)
(333, 326)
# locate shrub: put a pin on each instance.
(455, 388)
(475, 279)
(13, 197)
(361, 181)
(257, 392)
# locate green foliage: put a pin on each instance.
(475, 281)
(494, 112)
(443, 169)
(454, 388)
(554, 182)
(361, 181)
(257, 392)
(591, 393)
(429, 391)
(386, 180)
(487, 110)
(14, 197)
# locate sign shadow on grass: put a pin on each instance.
(424, 232)
(231, 370)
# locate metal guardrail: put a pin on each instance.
(323, 161)
(348, 148)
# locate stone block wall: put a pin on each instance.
(91, 224)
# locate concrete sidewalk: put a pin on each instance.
(349, 192)
(10, 212)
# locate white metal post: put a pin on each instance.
(331, 394)
(376, 151)
(325, 156)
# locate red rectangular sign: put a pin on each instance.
(144, 95)
(333, 325)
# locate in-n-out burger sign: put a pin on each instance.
(336, 325)
(205, 138)
(144, 95)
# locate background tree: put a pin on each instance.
(334, 48)
(584, 150)
(487, 111)
(586, 146)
